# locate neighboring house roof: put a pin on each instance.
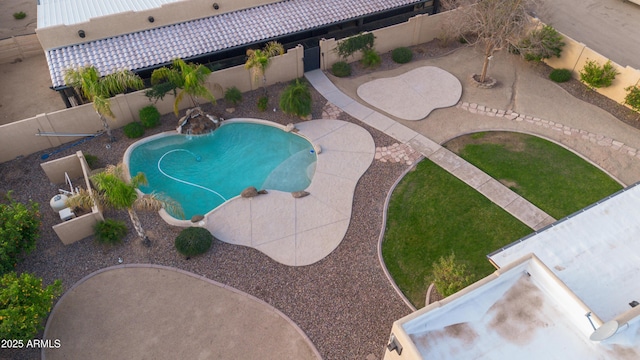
(595, 252)
(69, 12)
(199, 37)
(521, 312)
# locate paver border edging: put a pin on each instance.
(184, 272)
(573, 151)
(385, 209)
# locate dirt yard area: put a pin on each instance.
(25, 90)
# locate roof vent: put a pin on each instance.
(634, 304)
(81, 33)
(216, 6)
(151, 19)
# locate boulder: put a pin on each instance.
(251, 192)
(299, 194)
(197, 218)
(289, 128)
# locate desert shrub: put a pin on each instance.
(19, 15)
(233, 95)
(341, 69)
(193, 241)
(360, 42)
(633, 97)
(560, 75)
(133, 130)
(401, 55)
(24, 304)
(370, 58)
(263, 103)
(596, 76)
(296, 99)
(19, 230)
(92, 160)
(110, 231)
(450, 276)
(541, 44)
(149, 116)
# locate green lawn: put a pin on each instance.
(432, 213)
(551, 177)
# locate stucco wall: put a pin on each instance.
(417, 30)
(76, 167)
(575, 55)
(19, 138)
(129, 22)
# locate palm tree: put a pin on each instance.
(189, 77)
(88, 82)
(116, 192)
(259, 60)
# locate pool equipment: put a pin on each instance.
(57, 202)
(81, 141)
(198, 159)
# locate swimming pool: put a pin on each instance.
(202, 172)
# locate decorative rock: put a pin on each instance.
(196, 218)
(289, 128)
(317, 149)
(251, 192)
(230, 110)
(299, 194)
(487, 84)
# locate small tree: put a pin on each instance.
(540, 44)
(24, 304)
(99, 90)
(19, 230)
(259, 60)
(450, 276)
(597, 76)
(490, 24)
(188, 77)
(118, 193)
(633, 97)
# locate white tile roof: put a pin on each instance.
(161, 45)
(68, 12)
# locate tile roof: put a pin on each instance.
(197, 37)
(68, 12)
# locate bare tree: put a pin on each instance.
(489, 24)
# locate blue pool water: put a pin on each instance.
(202, 172)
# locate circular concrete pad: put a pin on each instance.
(154, 312)
(414, 94)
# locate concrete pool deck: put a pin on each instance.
(302, 231)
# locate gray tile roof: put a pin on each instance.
(161, 45)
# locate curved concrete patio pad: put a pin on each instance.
(302, 231)
(156, 312)
(414, 94)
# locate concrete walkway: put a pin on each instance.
(156, 312)
(513, 203)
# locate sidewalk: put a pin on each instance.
(542, 109)
(511, 202)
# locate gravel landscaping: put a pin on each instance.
(344, 303)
